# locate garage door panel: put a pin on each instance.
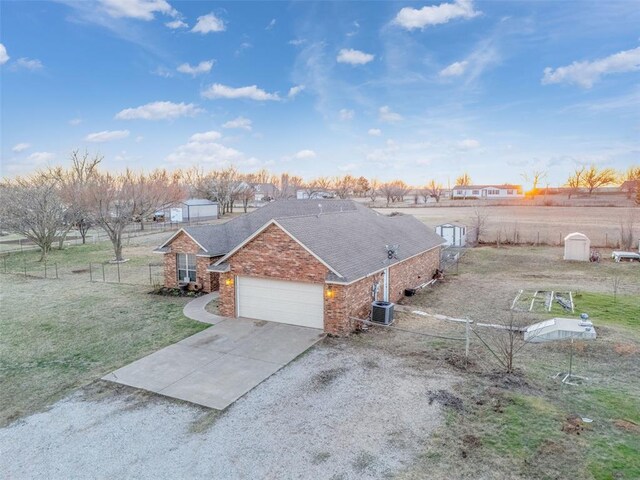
(281, 301)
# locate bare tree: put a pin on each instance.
(503, 339)
(425, 194)
(246, 193)
(113, 203)
(155, 191)
(626, 231)
(595, 178)
(615, 283)
(576, 180)
(344, 186)
(463, 180)
(374, 190)
(362, 187)
(631, 181)
(32, 207)
(535, 178)
(387, 190)
(435, 190)
(479, 221)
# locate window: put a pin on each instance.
(475, 192)
(493, 192)
(509, 192)
(186, 263)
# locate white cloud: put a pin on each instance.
(159, 111)
(4, 57)
(138, 9)
(239, 122)
(272, 24)
(294, 91)
(209, 136)
(202, 148)
(74, 122)
(296, 42)
(41, 157)
(163, 72)
(251, 92)
(139, 138)
(107, 136)
(208, 23)
(375, 132)
(386, 115)
(20, 147)
(304, 154)
(468, 144)
(411, 18)
(455, 69)
(585, 74)
(202, 67)
(346, 114)
(354, 57)
(29, 64)
(175, 24)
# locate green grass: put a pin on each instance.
(58, 335)
(623, 310)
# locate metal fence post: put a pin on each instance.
(466, 345)
(56, 265)
(90, 273)
(103, 278)
(45, 269)
(606, 239)
(5, 264)
(150, 279)
(24, 264)
(118, 265)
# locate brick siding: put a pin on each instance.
(271, 254)
(274, 254)
(184, 244)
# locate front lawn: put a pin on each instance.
(58, 335)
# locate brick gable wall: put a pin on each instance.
(184, 244)
(273, 254)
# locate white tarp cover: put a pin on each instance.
(559, 329)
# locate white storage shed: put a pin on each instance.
(577, 246)
(454, 233)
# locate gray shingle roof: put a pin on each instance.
(354, 243)
(347, 236)
(222, 238)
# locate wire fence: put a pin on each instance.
(97, 272)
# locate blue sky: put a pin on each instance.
(410, 90)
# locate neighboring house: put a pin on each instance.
(191, 210)
(305, 263)
(454, 234)
(306, 194)
(630, 187)
(265, 192)
(487, 191)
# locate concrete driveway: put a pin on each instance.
(217, 366)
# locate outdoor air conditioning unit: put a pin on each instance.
(382, 312)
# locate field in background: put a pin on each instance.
(536, 225)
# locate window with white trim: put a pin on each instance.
(186, 263)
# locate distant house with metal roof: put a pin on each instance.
(487, 191)
(305, 262)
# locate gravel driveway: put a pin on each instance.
(343, 410)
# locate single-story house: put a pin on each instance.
(305, 262)
(305, 194)
(265, 192)
(487, 191)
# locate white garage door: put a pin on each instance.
(294, 303)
